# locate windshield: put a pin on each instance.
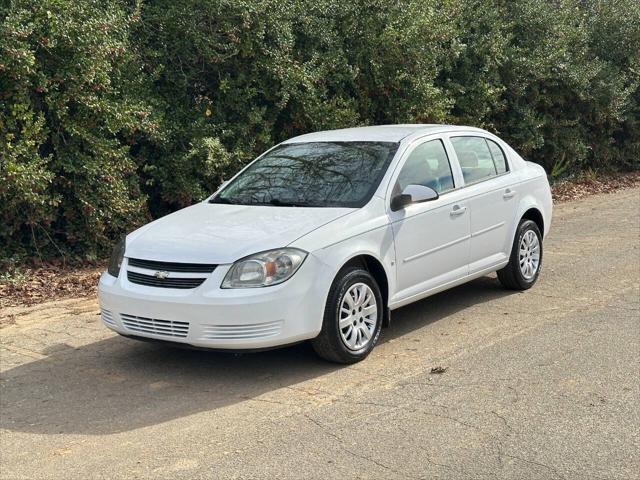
(315, 174)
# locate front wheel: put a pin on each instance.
(352, 318)
(526, 258)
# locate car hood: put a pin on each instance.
(219, 233)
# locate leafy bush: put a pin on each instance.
(115, 112)
(69, 113)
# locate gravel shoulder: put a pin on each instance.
(541, 384)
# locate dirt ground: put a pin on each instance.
(536, 385)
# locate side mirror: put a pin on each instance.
(413, 194)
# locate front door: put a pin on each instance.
(431, 238)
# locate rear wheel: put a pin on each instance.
(526, 258)
(352, 317)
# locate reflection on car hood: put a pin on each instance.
(219, 233)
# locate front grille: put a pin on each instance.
(175, 282)
(167, 328)
(172, 266)
(240, 332)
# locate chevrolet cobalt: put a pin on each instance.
(325, 234)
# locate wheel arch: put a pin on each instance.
(535, 215)
(531, 209)
(378, 272)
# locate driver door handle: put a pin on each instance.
(457, 210)
(508, 193)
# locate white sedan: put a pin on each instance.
(323, 235)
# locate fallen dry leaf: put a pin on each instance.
(438, 370)
(578, 188)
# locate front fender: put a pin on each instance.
(377, 244)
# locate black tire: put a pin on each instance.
(511, 276)
(329, 344)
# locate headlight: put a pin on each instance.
(264, 269)
(117, 255)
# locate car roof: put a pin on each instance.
(378, 133)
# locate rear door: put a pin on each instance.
(490, 196)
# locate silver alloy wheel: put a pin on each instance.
(529, 256)
(358, 316)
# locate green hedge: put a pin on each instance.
(115, 112)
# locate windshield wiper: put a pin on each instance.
(276, 202)
(226, 201)
(285, 203)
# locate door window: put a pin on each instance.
(475, 158)
(428, 165)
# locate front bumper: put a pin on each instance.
(211, 317)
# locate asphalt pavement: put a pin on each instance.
(542, 384)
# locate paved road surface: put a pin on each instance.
(543, 384)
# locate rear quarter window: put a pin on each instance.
(499, 158)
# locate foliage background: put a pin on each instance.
(114, 112)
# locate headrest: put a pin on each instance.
(468, 158)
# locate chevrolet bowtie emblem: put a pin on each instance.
(161, 275)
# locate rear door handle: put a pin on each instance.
(508, 193)
(457, 210)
